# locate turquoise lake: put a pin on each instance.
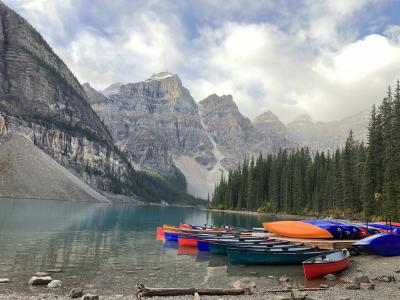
(109, 248)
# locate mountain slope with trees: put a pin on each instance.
(361, 181)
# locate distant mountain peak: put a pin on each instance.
(112, 89)
(266, 117)
(305, 118)
(218, 101)
(161, 76)
(94, 96)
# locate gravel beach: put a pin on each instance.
(373, 266)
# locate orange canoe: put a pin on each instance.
(297, 229)
(169, 228)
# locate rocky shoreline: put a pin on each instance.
(369, 277)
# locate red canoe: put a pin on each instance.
(187, 242)
(325, 264)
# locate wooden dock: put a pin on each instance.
(320, 243)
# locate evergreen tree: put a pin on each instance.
(359, 180)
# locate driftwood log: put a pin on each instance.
(142, 291)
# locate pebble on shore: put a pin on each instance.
(54, 284)
(76, 293)
(90, 297)
(45, 280)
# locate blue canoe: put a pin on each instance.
(385, 244)
(171, 236)
(203, 245)
(337, 229)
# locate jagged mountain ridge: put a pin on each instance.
(143, 116)
(155, 120)
(157, 124)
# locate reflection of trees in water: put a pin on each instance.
(98, 242)
(113, 237)
(236, 219)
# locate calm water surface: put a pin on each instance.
(111, 247)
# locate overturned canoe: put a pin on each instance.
(271, 257)
(338, 230)
(327, 263)
(385, 244)
(297, 229)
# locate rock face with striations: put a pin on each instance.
(41, 99)
(236, 136)
(156, 120)
(158, 125)
(230, 130)
(275, 133)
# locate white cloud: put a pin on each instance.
(360, 60)
(291, 59)
(47, 16)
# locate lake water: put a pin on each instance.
(109, 248)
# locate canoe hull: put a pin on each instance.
(385, 244)
(297, 229)
(222, 248)
(185, 242)
(203, 245)
(169, 236)
(312, 271)
(264, 258)
(338, 230)
(322, 265)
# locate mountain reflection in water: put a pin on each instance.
(111, 247)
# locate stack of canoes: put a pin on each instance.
(253, 250)
(314, 229)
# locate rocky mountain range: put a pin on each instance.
(157, 124)
(150, 139)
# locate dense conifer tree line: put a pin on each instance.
(361, 181)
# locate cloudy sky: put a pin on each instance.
(327, 58)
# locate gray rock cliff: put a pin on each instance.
(42, 99)
(155, 120)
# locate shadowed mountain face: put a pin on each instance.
(41, 99)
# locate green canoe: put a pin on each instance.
(271, 257)
(221, 248)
